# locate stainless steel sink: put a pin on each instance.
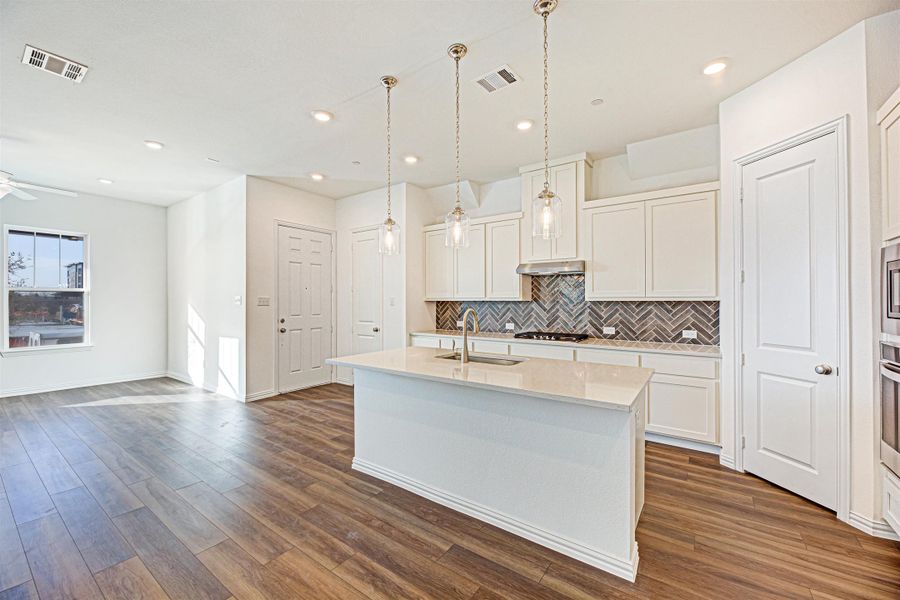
(482, 358)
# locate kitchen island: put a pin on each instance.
(549, 450)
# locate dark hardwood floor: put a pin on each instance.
(154, 490)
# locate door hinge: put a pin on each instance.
(743, 359)
(743, 278)
(742, 195)
(743, 442)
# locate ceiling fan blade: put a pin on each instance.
(22, 195)
(41, 188)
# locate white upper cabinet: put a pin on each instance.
(438, 266)
(614, 265)
(570, 179)
(681, 246)
(485, 270)
(469, 267)
(888, 118)
(655, 245)
(502, 254)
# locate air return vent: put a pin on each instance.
(45, 61)
(497, 79)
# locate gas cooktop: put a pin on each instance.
(552, 336)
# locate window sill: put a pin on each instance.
(26, 350)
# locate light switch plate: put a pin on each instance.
(238, 300)
(689, 334)
(609, 331)
(263, 301)
(510, 326)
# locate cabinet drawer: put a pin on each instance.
(891, 499)
(685, 407)
(538, 351)
(608, 357)
(449, 343)
(490, 347)
(686, 366)
(425, 342)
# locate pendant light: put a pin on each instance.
(456, 223)
(389, 231)
(546, 208)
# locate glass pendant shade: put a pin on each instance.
(456, 229)
(546, 214)
(389, 237)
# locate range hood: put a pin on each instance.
(562, 267)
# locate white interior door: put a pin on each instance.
(304, 308)
(791, 318)
(366, 291)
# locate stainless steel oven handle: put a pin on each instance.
(891, 371)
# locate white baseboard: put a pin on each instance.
(727, 461)
(260, 395)
(680, 443)
(42, 388)
(344, 380)
(878, 529)
(182, 377)
(624, 569)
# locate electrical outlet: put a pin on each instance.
(459, 324)
(689, 334)
(510, 326)
(609, 331)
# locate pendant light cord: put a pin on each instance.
(456, 60)
(546, 106)
(388, 153)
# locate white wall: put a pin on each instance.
(128, 293)
(821, 86)
(206, 283)
(417, 214)
(611, 177)
(268, 202)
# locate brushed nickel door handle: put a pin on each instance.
(376, 329)
(823, 369)
(283, 330)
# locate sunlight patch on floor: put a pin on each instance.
(193, 397)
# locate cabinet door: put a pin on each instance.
(682, 246)
(890, 173)
(542, 351)
(502, 259)
(608, 357)
(418, 341)
(469, 266)
(683, 407)
(564, 183)
(438, 267)
(533, 249)
(615, 247)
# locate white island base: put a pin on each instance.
(566, 474)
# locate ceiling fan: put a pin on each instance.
(16, 188)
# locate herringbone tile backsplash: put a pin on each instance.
(558, 304)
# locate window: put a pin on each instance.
(46, 288)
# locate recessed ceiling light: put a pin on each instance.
(716, 66)
(524, 124)
(316, 176)
(596, 101)
(106, 181)
(411, 160)
(154, 145)
(323, 116)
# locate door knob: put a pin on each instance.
(375, 329)
(281, 320)
(823, 369)
(283, 330)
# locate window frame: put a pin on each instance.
(5, 349)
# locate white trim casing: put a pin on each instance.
(879, 529)
(839, 128)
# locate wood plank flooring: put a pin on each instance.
(156, 490)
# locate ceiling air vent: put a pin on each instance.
(497, 79)
(52, 63)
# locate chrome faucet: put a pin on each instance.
(464, 355)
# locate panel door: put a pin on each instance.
(682, 246)
(684, 407)
(564, 182)
(615, 262)
(304, 308)
(366, 292)
(890, 173)
(791, 318)
(469, 266)
(502, 251)
(438, 267)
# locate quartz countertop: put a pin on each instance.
(600, 343)
(598, 385)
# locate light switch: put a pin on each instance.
(392, 301)
(238, 300)
(689, 334)
(609, 331)
(263, 301)
(510, 326)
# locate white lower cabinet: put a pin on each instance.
(608, 357)
(489, 347)
(684, 407)
(418, 341)
(890, 504)
(541, 351)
